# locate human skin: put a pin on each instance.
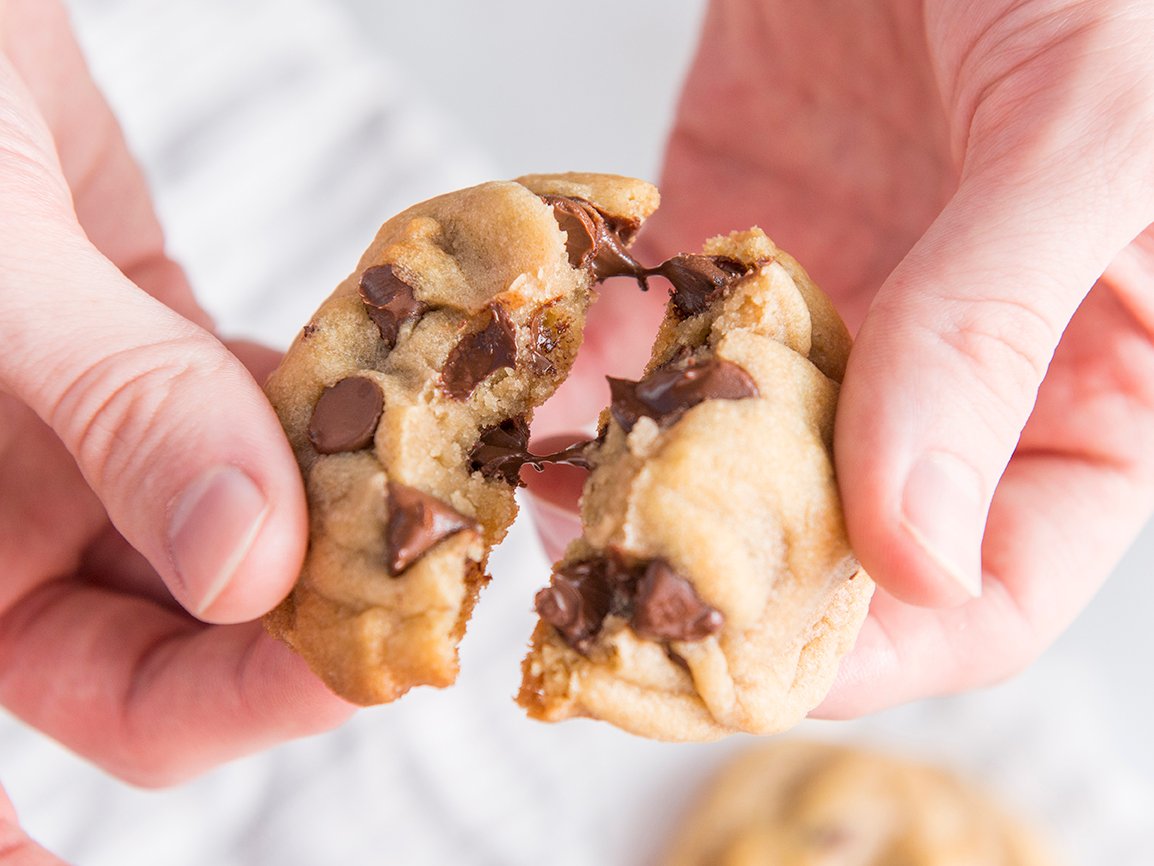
(116, 399)
(970, 182)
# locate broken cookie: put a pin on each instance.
(713, 589)
(398, 397)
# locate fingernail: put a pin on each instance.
(211, 527)
(942, 510)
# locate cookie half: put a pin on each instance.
(793, 803)
(403, 397)
(713, 589)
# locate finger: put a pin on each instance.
(947, 365)
(110, 195)
(166, 425)
(905, 652)
(16, 849)
(148, 693)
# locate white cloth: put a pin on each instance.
(277, 138)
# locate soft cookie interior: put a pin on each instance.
(407, 399)
(713, 589)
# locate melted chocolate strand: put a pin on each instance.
(667, 607)
(416, 522)
(667, 393)
(480, 354)
(599, 243)
(389, 301)
(502, 450)
(346, 415)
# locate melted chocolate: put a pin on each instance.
(668, 392)
(657, 602)
(416, 522)
(480, 354)
(593, 241)
(599, 243)
(502, 450)
(698, 280)
(582, 594)
(389, 301)
(667, 607)
(346, 415)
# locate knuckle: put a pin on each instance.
(1005, 346)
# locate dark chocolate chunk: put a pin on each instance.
(594, 242)
(579, 597)
(389, 301)
(416, 522)
(667, 393)
(480, 354)
(346, 416)
(698, 280)
(657, 602)
(308, 330)
(667, 607)
(576, 220)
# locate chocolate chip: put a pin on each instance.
(576, 220)
(667, 393)
(416, 522)
(308, 330)
(594, 242)
(346, 415)
(657, 602)
(667, 607)
(480, 353)
(698, 280)
(577, 600)
(502, 450)
(389, 301)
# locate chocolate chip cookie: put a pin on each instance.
(794, 803)
(407, 399)
(713, 589)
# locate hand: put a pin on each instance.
(140, 461)
(972, 184)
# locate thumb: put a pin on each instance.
(167, 426)
(946, 369)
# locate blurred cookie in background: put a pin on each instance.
(797, 803)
